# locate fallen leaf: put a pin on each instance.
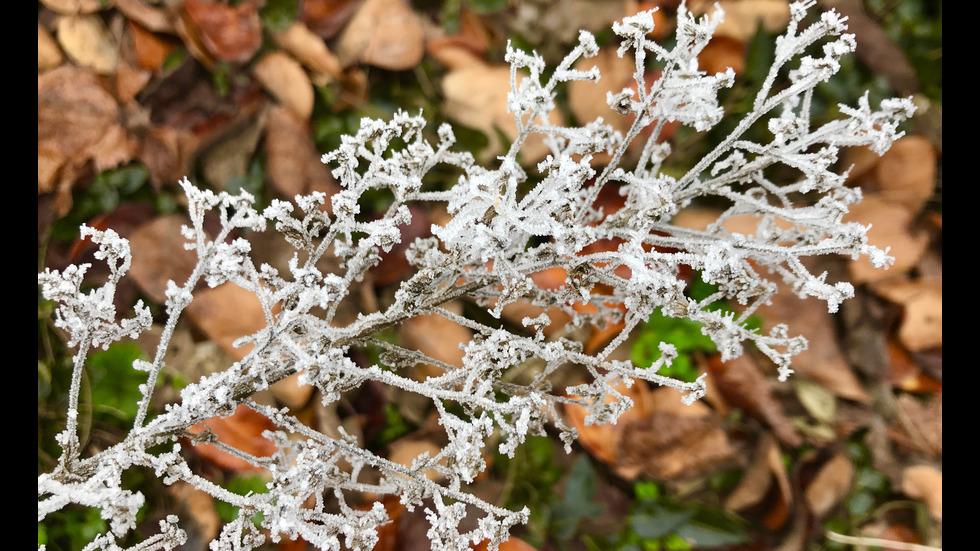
(230, 33)
(922, 320)
(476, 96)
(891, 226)
(918, 425)
(587, 100)
(292, 162)
(326, 17)
(130, 80)
(667, 446)
(823, 361)
(158, 20)
(291, 393)
(744, 387)
(73, 7)
(721, 53)
(241, 430)
(925, 483)
(830, 485)
(284, 78)
(382, 33)
(200, 509)
(767, 465)
(743, 17)
(603, 441)
(404, 451)
(166, 152)
(48, 54)
(906, 173)
(159, 256)
(77, 122)
(225, 314)
(438, 338)
(310, 50)
(87, 42)
(229, 154)
(151, 49)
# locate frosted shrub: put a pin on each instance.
(496, 238)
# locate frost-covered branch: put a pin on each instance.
(508, 224)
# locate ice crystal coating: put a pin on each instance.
(499, 234)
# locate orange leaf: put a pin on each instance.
(243, 431)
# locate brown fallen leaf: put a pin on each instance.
(767, 466)
(48, 54)
(229, 154)
(743, 17)
(155, 19)
(404, 451)
(587, 100)
(292, 162)
(925, 483)
(241, 430)
(438, 338)
(823, 361)
(88, 43)
(311, 51)
(891, 226)
(77, 122)
(200, 508)
(230, 33)
(906, 173)
(159, 256)
(476, 96)
(830, 485)
(918, 425)
(667, 446)
(382, 33)
(284, 78)
(922, 301)
(73, 7)
(744, 387)
(603, 441)
(225, 314)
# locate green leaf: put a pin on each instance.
(659, 520)
(278, 15)
(579, 501)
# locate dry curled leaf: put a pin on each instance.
(919, 425)
(383, 33)
(925, 483)
(310, 50)
(830, 486)
(667, 446)
(922, 319)
(88, 43)
(77, 122)
(286, 80)
(476, 96)
(225, 314)
(891, 227)
(230, 33)
(744, 387)
(292, 162)
(159, 256)
(48, 54)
